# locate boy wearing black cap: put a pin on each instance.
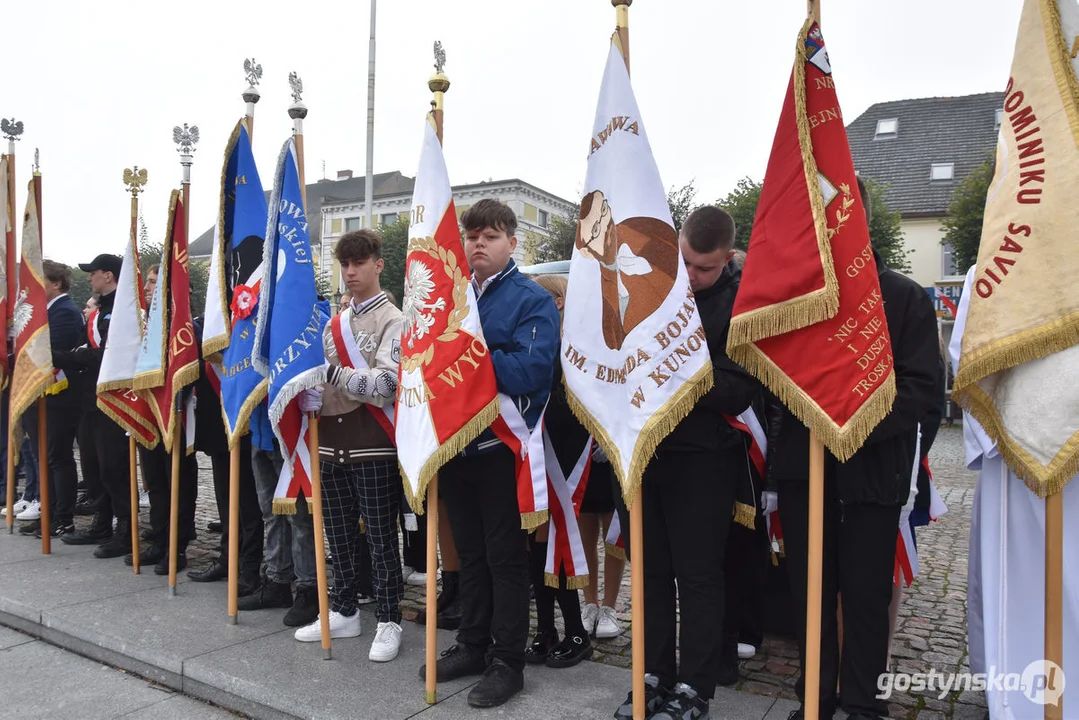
(110, 441)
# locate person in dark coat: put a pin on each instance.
(688, 495)
(862, 504)
(66, 332)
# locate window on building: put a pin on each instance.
(887, 128)
(942, 171)
(388, 218)
(353, 223)
(1000, 117)
(544, 218)
(947, 257)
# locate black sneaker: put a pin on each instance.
(162, 565)
(682, 704)
(213, 526)
(728, 674)
(58, 530)
(304, 610)
(654, 696)
(149, 555)
(118, 546)
(569, 652)
(537, 652)
(31, 528)
(268, 594)
(100, 531)
(799, 714)
(247, 584)
(500, 682)
(458, 662)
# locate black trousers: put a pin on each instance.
(414, 542)
(687, 507)
(111, 448)
(858, 561)
(61, 427)
(480, 495)
(157, 472)
(251, 527)
(745, 574)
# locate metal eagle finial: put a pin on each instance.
(135, 178)
(253, 71)
(12, 128)
(186, 137)
(440, 56)
(296, 84)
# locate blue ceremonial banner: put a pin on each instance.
(288, 339)
(236, 278)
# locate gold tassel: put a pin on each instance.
(615, 551)
(284, 506)
(532, 520)
(745, 515)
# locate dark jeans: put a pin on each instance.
(62, 424)
(250, 514)
(111, 447)
(480, 494)
(157, 472)
(747, 561)
(28, 460)
(687, 507)
(859, 559)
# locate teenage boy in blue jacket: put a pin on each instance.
(521, 325)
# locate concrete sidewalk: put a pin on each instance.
(100, 609)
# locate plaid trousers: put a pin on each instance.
(370, 490)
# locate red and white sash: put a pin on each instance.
(290, 484)
(527, 446)
(565, 550)
(748, 423)
(92, 332)
(348, 352)
(614, 543)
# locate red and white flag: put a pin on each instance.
(809, 286)
(447, 394)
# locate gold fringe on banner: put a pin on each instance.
(532, 520)
(614, 551)
(745, 515)
(447, 451)
(577, 582)
(124, 421)
(284, 506)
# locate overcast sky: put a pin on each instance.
(100, 86)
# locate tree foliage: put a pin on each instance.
(963, 224)
(558, 245)
(885, 230)
(741, 205)
(680, 201)
(394, 250)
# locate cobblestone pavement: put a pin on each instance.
(931, 632)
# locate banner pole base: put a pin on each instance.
(233, 620)
(327, 653)
(172, 591)
(432, 698)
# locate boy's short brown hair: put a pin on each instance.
(358, 245)
(489, 213)
(57, 272)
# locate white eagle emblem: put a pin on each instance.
(419, 312)
(22, 313)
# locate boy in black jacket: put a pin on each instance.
(862, 502)
(687, 497)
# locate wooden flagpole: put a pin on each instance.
(298, 111)
(636, 528)
(11, 267)
(439, 85)
(134, 180)
(253, 70)
(45, 522)
(1054, 599)
(814, 571)
(187, 139)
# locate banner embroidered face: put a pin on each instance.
(638, 261)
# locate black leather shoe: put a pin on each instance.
(268, 594)
(213, 526)
(118, 546)
(569, 652)
(100, 531)
(537, 652)
(728, 674)
(248, 583)
(216, 571)
(304, 610)
(162, 566)
(458, 662)
(500, 682)
(149, 555)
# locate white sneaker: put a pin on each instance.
(387, 642)
(341, 626)
(589, 616)
(745, 651)
(144, 499)
(606, 625)
(18, 507)
(32, 512)
(406, 572)
(417, 579)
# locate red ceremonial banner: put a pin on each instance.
(808, 319)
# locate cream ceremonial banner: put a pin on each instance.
(1019, 369)
(634, 353)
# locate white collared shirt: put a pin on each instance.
(54, 300)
